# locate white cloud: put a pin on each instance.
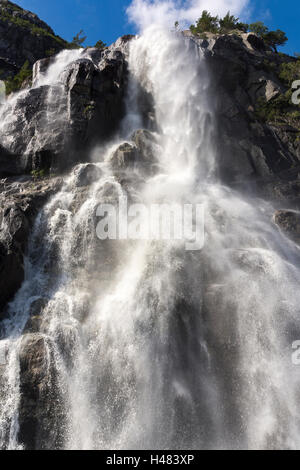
(144, 13)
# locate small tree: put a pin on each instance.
(207, 23)
(272, 38)
(275, 39)
(78, 40)
(259, 28)
(100, 44)
(244, 27)
(230, 23)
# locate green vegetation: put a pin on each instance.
(78, 40)
(281, 109)
(258, 28)
(14, 84)
(38, 174)
(272, 38)
(230, 23)
(278, 109)
(100, 44)
(213, 24)
(7, 17)
(289, 72)
(206, 24)
(89, 109)
(50, 52)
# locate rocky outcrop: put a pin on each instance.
(40, 408)
(244, 76)
(23, 37)
(19, 203)
(55, 127)
(138, 154)
(289, 223)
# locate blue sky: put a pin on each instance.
(107, 20)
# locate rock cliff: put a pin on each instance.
(23, 37)
(257, 126)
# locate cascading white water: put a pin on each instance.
(154, 346)
(55, 113)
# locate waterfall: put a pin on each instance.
(147, 345)
(47, 86)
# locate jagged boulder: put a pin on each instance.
(289, 222)
(86, 174)
(138, 154)
(125, 157)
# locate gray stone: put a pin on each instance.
(289, 222)
(40, 411)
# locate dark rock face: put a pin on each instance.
(289, 223)
(23, 36)
(241, 75)
(9, 164)
(55, 127)
(39, 408)
(19, 203)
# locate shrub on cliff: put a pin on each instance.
(78, 40)
(213, 24)
(14, 84)
(206, 24)
(272, 38)
(100, 44)
(275, 39)
(230, 23)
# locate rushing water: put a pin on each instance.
(153, 346)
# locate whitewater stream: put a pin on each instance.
(151, 346)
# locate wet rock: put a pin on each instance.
(147, 146)
(87, 174)
(34, 322)
(40, 68)
(40, 411)
(19, 204)
(55, 127)
(10, 164)
(125, 157)
(289, 223)
(138, 154)
(244, 72)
